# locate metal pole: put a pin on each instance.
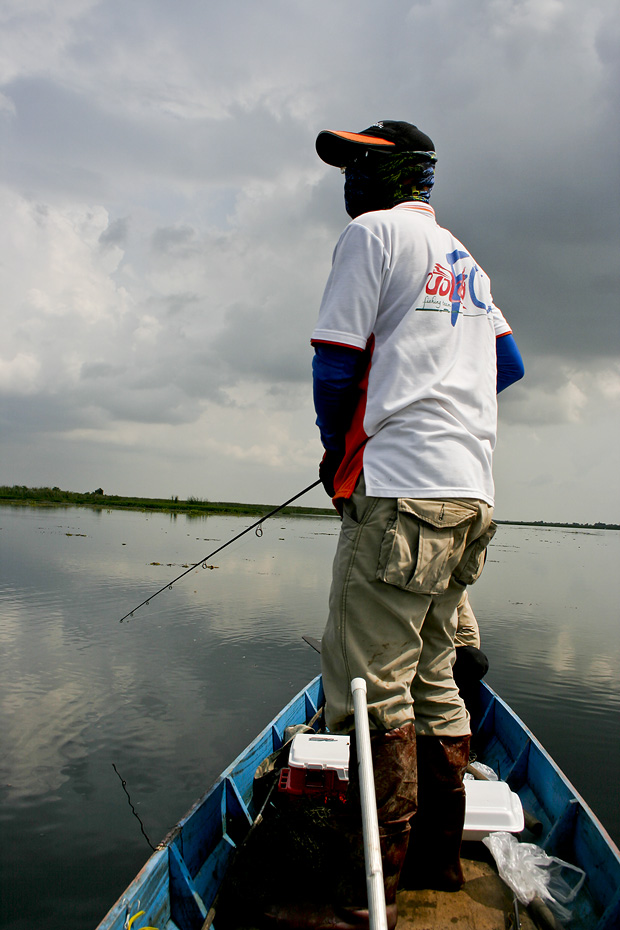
(370, 824)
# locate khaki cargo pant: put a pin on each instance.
(467, 631)
(398, 576)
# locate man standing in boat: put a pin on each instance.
(410, 350)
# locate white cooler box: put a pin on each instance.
(318, 765)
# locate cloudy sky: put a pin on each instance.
(167, 230)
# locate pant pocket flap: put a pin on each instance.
(472, 563)
(438, 513)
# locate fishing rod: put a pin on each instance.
(255, 526)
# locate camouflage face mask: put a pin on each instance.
(378, 182)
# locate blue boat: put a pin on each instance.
(180, 883)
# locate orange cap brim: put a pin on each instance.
(360, 137)
(334, 147)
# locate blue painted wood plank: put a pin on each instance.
(238, 818)
(243, 770)
(201, 829)
(187, 909)
(547, 782)
(485, 725)
(149, 891)
(214, 868)
(610, 920)
(590, 846)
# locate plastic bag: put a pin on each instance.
(530, 872)
(484, 770)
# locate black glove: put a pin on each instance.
(328, 467)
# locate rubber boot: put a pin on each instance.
(434, 855)
(395, 773)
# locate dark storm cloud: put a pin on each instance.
(68, 138)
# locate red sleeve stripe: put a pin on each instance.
(352, 464)
(327, 342)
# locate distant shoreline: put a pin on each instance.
(98, 500)
(194, 506)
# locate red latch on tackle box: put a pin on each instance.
(318, 765)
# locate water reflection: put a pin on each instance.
(174, 693)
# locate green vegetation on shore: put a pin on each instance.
(55, 497)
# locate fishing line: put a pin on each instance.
(259, 532)
(135, 813)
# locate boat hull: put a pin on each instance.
(178, 885)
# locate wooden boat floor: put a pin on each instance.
(483, 903)
(295, 857)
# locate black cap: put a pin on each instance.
(387, 136)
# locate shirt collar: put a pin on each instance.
(417, 206)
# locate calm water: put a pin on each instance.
(172, 695)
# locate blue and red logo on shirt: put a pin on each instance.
(446, 289)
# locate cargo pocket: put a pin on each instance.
(423, 544)
(474, 557)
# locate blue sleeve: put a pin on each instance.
(509, 362)
(336, 371)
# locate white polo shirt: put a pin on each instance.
(407, 290)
